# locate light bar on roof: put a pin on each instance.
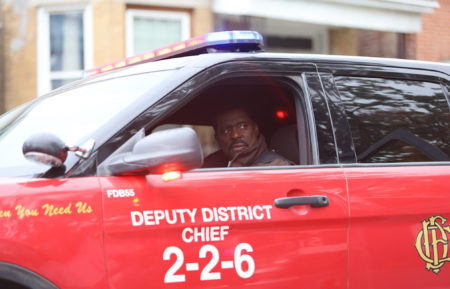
(226, 41)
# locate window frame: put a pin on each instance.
(160, 111)
(44, 73)
(185, 18)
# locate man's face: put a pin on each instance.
(235, 132)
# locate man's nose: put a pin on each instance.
(236, 133)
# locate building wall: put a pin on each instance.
(343, 41)
(19, 53)
(202, 20)
(109, 31)
(433, 43)
(378, 43)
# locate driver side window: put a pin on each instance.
(272, 103)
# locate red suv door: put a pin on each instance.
(399, 198)
(399, 232)
(221, 228)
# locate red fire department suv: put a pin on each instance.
(102, 184)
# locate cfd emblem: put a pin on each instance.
(432, 243)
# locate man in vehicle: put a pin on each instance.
(241, 143)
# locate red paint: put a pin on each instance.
(76, 235)
(387, 207)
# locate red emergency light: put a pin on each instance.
(233, 41)
(281, 114)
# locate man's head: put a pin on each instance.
(235, 131)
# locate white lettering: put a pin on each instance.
(243, 263)
(184, 234)
(120, 193)
(148, 217)
(181, 212)
(159, 215)
(174, 217)
(268, 208)
(192, 215)
(207, 215)
(204, 234)
(242, 212)
(223, 232)
(232, 209)
(260, 215)
(137, 219)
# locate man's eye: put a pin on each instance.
(227, 131)
(243, 126)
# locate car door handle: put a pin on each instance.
(313, 201)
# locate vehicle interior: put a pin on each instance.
(274, 103)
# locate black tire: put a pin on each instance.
(15, 277)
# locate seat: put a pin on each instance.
(285, 142)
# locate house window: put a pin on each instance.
(149, 29)
(64, 45)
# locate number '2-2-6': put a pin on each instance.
(207, 272)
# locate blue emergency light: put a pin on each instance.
(225, 41)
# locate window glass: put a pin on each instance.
(64, 45)
(163, 32)
(66, 41)
(396, 120)
(150, 30)
(60, 82)
(72, 115)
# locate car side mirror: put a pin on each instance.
(176, 149)
(45, 148)
(48, 149)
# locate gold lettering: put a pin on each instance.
(52, 210)
(5, 214)
(24, 212)
(439, 257)
(83, 208)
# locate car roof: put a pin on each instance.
(205, 60)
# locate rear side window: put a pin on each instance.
(396, 120)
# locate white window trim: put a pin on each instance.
(44, 75)
(131, 13)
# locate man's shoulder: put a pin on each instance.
(215, 160)
(268, 157)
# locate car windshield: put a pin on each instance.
(72, 115)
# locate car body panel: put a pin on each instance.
(304, 241)
(388, 207)
(54, 228)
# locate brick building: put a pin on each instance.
(47, 43)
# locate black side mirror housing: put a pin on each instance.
(45, 148)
